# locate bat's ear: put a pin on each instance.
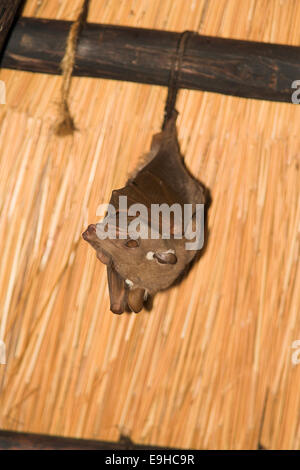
(165, 257)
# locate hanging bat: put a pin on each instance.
(138, 267)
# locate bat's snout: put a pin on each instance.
(90, 232)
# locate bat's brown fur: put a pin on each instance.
(153, 265)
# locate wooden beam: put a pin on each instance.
(11, 440)
(8, 12)
(232, 67)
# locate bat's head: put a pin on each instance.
(149, 263)
(138, 266)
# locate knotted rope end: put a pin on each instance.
(65, 124)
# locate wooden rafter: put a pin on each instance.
(240, 68)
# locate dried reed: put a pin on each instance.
(210, 365)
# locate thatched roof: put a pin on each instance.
(210, 365)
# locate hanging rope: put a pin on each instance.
(175, 75)
(65, 123)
